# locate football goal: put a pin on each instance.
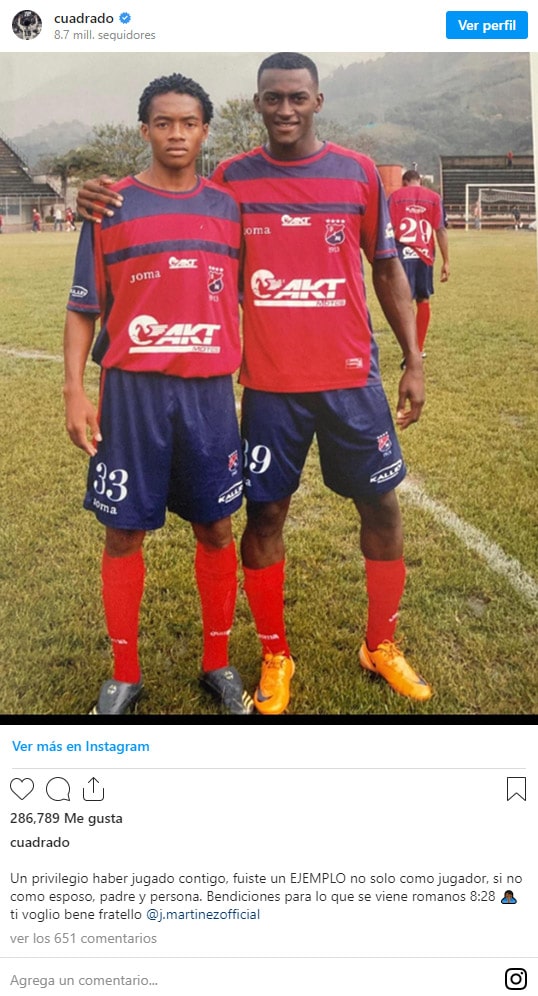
(499, 200)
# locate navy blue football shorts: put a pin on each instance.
(168, 443)
(359, 451)
(419, 274)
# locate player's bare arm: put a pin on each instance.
(80, 413)
(392, 290)
(442, 242)
(95, 200)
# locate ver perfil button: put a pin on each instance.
(488, 24)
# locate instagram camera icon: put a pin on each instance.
(515, 978)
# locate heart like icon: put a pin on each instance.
(21, 787)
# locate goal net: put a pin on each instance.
(507, 197)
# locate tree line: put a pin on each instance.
(120, 150)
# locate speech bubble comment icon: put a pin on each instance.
(58, 789)
(21, 787)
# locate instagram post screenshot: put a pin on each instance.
(269, 572)
(268, 350)
(268, 353)
(367, 860)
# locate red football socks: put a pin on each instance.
(216, 577)
(264, 589)
(385, 582)
(423, 321)
(123, 587)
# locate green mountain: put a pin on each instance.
(399, 108)
(414, 107)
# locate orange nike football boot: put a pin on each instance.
(388, 661)
(273, 692)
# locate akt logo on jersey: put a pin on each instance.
(149, 336)
(409, 253)
(335, 231)
(182, 264)
(301, 292)
(299, 221)
(233, 462)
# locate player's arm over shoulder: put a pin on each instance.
(98, 198)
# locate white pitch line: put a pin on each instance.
(475, 540)
(27, 354)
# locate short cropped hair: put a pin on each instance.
(411, 176)
(290, 60)
(176, 83)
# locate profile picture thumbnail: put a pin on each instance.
(26, 25)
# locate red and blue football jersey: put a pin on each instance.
(162, 274)
(306, 323)
(417, 212)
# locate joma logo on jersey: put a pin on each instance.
(149, 336)
(299, 292)
(144, 275)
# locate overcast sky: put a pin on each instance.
(37, 89)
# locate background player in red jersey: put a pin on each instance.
(418, 218)
(310, 361)
(163, 280)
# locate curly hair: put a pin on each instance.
(176, 83)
